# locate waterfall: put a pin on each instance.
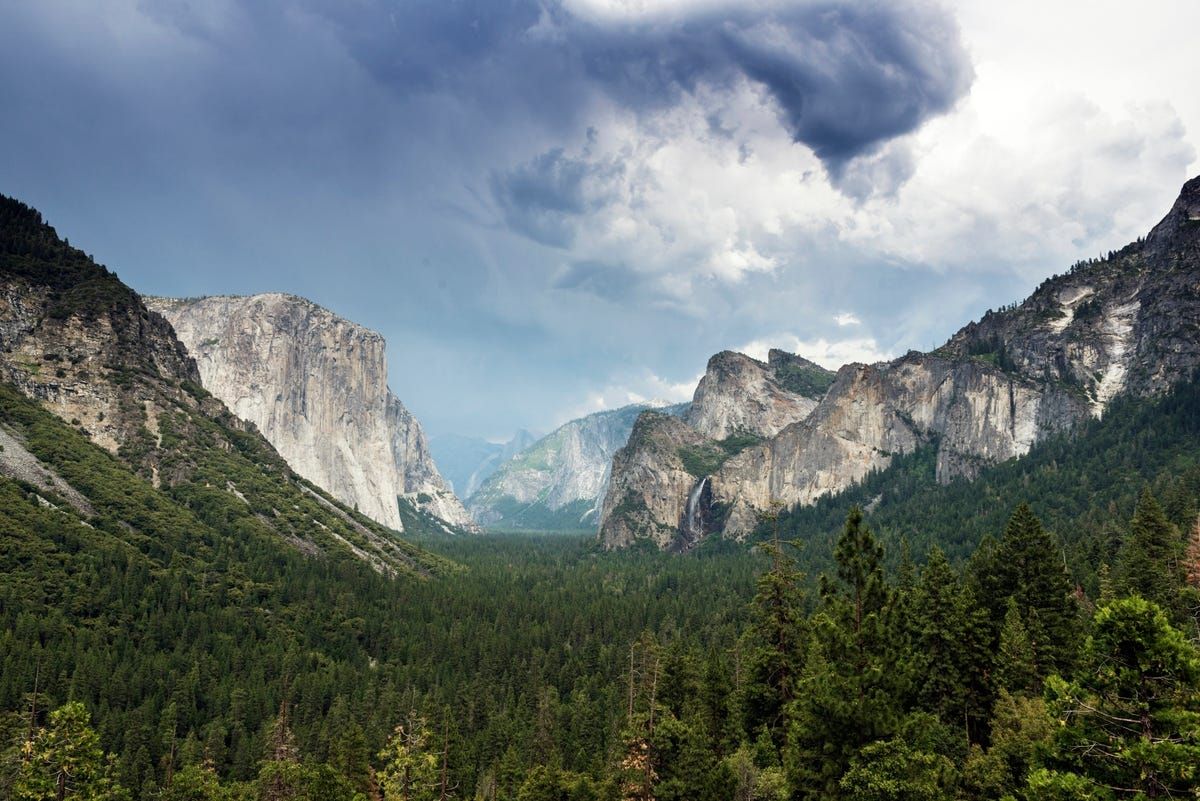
(694, 514)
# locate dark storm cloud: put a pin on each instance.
(611, 282)
(539, 198)
(851, 77)
(315, 146)
(846, 77)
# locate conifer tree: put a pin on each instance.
(1020, 728)
(775, 640)
(849, 693)
(938, 629)
(1028, 566)
(721, 719)
(1131, 718)
(1149, 564)
(446, 787)
(63, 761)
(639, 774)
(410, 767)
(947, 656)
(859, 569)
(280, 777)
(906, 573)
(1016, 664)
(347, 749)
(1104, 580)
(1190, 596)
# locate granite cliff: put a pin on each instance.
(741, 395)
(1127, 323)
(167, 459)
(316, 386)
(661, 486)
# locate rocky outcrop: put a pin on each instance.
(974, 413)
(741, 395)
(1128, 323)
(661, 481)
(86, 348)
(648, 495)
(77, 349)
(316, 386)
(559, 481)
(1124, 323)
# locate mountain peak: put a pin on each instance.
(1190, 194)
(1123, 324)
(1180, 229)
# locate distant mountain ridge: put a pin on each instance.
(466, 462)
(559, 481)
(316, 385)
(1128, 323)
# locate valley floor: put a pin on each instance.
(213, 662)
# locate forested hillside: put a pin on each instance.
(211, 667)
(185, 619)
(84, 346)
(1083, 485)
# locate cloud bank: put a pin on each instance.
(554, 205)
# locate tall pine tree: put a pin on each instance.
(948, 647)
(774, 643)
(1027, 566)
(849, 693)
(1150, 560)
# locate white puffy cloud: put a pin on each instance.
(829, 353)
(708, 190)
(714, 190)
(643, 387)
(1030, 186)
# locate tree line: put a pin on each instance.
(999, 679)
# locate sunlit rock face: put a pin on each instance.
(659, 487)
(741, 395)
(316, 385)
(648, 492)
(1127, 323)
(976, 414)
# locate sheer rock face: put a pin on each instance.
(316, 386)
(741, 395)
(738, 396)
(977, 414)
(561, 478)
(650, 486)
(1129, 323)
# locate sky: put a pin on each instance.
(552, 207)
